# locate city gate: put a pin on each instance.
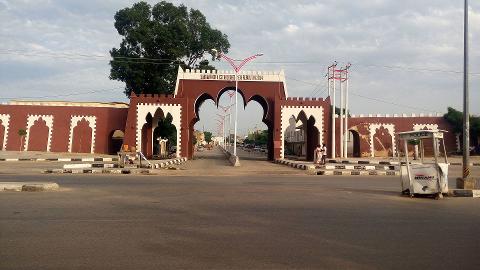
(193, 87)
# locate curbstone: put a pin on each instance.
(357, 173)
(471, 193)
(166, 163)
(28, 186)
(84, 159)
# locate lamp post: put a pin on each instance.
(222, 122)
(237, 69)
(225, 110)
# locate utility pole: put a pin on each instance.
(342, 100)
(467, 182)
(332, 78)
(345, 148)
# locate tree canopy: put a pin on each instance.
(156, 40)
(455, 118)
(208, 136)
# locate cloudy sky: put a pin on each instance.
(406, 55)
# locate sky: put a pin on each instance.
(406, 56)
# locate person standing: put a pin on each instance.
(317, 154)
(324, 154)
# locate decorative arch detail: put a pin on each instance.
(309, 111)
(92, 123)
(391, 131)
(31, 121)
(143, 109)
(5, 122)
(417, 127)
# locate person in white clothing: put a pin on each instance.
(324, 154)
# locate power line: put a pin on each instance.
(66, 95)
(167, 61)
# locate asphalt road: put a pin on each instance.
(245, 221)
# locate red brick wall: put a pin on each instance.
(108, 119)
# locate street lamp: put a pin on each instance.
(237, 69)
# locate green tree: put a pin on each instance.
(208, 136)
(156, 40)
(166, 130)
(455, 118)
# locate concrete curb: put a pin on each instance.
(100, 171)
(470, 193)
(90, 165)
(294, 164)
(358, 167)
(356, 173)
(234, 160)
(379, 162)
(28, 186)
(84, 159)
(167, 163)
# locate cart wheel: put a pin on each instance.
(411, 195)
(438, 196)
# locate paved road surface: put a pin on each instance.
(227, 221)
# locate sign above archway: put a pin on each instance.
(226, 75)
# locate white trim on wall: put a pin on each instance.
(5, 122)
(391, 131)
(289, 111)
(48, 121)
(92, 122)
(175, 110)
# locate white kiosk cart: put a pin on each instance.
(424, 178)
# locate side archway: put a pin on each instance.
(38, 138)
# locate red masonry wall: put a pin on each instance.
(108, 119)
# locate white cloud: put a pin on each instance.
(291, 28)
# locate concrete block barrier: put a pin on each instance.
(28, 186)
(356, 173)
(89, 165)
(471, 193)
(167, 163)
(100, 171)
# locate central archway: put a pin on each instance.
(219, 100)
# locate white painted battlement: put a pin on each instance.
(404, 115)
(229, 75)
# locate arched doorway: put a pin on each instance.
(38, 136)
(115, 141)
(216, 114)
(353, 146)
(147, 147)
(164, 136)
(382, 143)
(82, 137)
